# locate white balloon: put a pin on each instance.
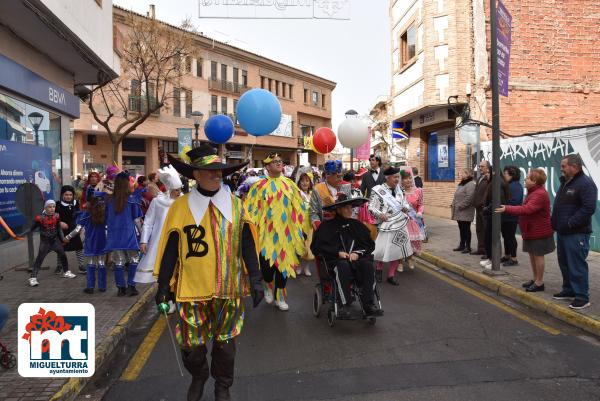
(353, 133)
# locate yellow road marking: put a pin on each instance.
(491, 301)
(133, 369)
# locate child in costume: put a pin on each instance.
(51, 238)
(153, 224)
(123, 217)
(275, 206)
(207, 253)
(93, 222)
(68, 209)
(305, 185)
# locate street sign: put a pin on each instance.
(503, 29)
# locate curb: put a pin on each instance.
(74, 385)
(562, 313)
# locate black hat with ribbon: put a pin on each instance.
(204, 157)
(343, 200)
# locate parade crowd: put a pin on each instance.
(236, 233)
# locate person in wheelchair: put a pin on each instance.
(346, 245)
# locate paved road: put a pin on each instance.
(436, 342)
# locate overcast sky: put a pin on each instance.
(353, 53)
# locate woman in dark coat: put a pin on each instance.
(67, 209)
(508, 227)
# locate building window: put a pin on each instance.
(188, 65)
(323, 100)
(236, 78)
(136, 88)
(440, 155)
(213, 70)
(134, 145)
(213, 104)
(276, 88)
(291, 91)
(283, 87)
(262, 82)
(223, 105)
(244, 78)
(199, 63)
(408, 43)
(270, 85)
(170, 146)
(188, 102)
(305, 95)
(177, 102)
(235, 103)
(223, 72)
(315, 98)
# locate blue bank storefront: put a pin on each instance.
(35, 139)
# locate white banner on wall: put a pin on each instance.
(275, 9)
(442, 146)
(285, 126)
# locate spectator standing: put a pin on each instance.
(479, 199)
(372, 177)
(463, 210)
(153, 184)
(574, 206)
(487, 215)
(418, 180)
(508, 226)
(536, 229)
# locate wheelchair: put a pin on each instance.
(326, 291)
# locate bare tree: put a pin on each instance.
(152, 64)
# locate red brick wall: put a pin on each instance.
(554, 65)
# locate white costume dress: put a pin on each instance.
(153, 224)
(393, 242)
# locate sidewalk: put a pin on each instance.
(113, 314)
(444, 236)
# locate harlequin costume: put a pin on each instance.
(207, 257)
(277, 209)
(95, 241)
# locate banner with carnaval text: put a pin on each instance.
(546, 151)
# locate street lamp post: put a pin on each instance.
(35, 119)
(197, 116)
(351, 114)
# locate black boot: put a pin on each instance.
(379, 275)
(467, 249)
(223, 358)
(460, 248)
(194, 360)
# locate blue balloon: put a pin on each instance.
(258, 112)
(219, 128)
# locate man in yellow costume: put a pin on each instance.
(208, 258)
(275, 206)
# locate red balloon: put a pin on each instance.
(324, 140)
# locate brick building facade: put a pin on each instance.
(218, 75)
(440, 49)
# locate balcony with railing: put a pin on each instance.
(137, 104)
(227, 86)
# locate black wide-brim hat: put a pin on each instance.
(343, 200)
(204, 157)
